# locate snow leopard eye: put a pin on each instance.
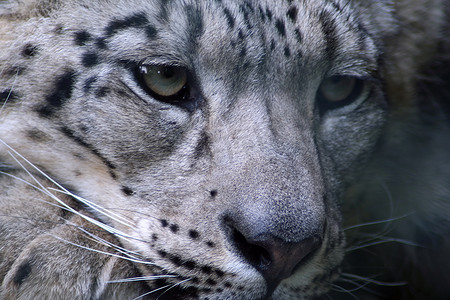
(165, 83)
(339, 91)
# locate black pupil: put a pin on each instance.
(168, 72)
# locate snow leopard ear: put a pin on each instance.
(24, 9)
(412, 47)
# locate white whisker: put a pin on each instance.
(370, 280)
(10, 92)
(151, 292)
(359, 286)
(377, 222)
(35, 187)
(97, 239)
(142, 278)
(383, 240)
(46, 191)
(343, 290)
(103, 252)
(118, 218)
(173, 286)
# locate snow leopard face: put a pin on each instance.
(213, 140)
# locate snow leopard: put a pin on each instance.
(224, 149)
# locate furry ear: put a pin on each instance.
(24, 9)
(412, 47)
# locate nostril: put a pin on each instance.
(275, 258)
(254, 254)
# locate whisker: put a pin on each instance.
(35, 187)
(383, 241)
(358, 287)
(151, 292)
(96, 207)
(97, 239)
(173, 286)
(370, 280)
(102, 252)
(64, 190)
(377, 222)
(70, 209)
(10, 92)
(142, 278)
(340, 289)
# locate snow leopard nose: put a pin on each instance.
(275, 258)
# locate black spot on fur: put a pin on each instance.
(213, 193)
(230, 19)
(88, 83)
(240, 35)
(272, 44)
(134, 21)
(102, 92)
(22, 273)
(30, 50)
(89, 59)
(292, 13)
(243, 53)
(154, 237)
(219, 273)
(193, 234)
(174, 228)
(37, 135)
(62, 91)
(298, 35)
(287, 51)
(279, 24)
(162, 253)
(211, 282)
(82, 37)
(127, 191)
(227, 284)
(151, 32)
(261, 14)
(206, 269)
(164, 223)
(7, 96)
(101, 43)
(195, 280)
(330, 31)
(269, 14)
(210, 244)
(176, 260)
(190, 264)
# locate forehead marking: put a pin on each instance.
(292, 13)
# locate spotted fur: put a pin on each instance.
(241, 188)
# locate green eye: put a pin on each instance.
(164, 82)
(338, 91)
